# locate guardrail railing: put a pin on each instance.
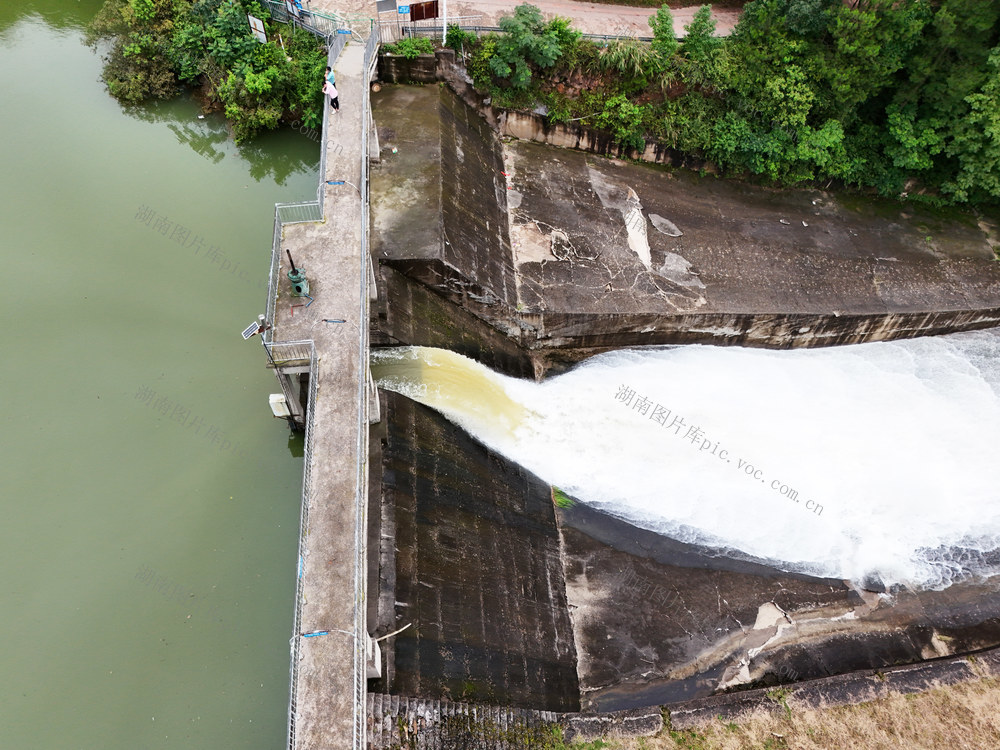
(303, 528)
(395, 29)
(298, 353)
(361, 500)
(291, 353)
(303, 211)
(418, 28)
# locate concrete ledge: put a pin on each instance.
(839, 690)
(639, 722)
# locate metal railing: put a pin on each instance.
(303, 211)
(433, 29)
(272, 278)
(285, 353)
(310, 211)
(303, 530)
(361, 500)
(291, 353)
(296, 213)
(396, 29)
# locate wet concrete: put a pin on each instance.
(411, 313)
(658, 621)
(477, 571)
(512, 602)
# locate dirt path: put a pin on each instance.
(592, 18)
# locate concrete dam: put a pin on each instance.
(507, 585)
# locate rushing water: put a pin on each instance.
(149, 500)
(844, 462)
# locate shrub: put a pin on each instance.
(411, 47)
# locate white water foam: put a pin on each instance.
(888, 447)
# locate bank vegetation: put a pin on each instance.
(155, 48)
(901, 97)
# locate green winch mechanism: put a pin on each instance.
(300, 284)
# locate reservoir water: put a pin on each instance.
(848, 462)
(149, 500)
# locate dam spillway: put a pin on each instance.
(459, 265)
(679, 604)
(832, 462)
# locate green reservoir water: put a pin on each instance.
(149, 500)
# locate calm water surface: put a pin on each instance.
(149, 501)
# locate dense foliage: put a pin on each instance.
(895, 95)
(158, 45)
(410, 47)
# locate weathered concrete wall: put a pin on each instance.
(476, 238)
(418, 722)
(419, 316)
(398, 69)
(839, 690)
(780, 331)
(478, 571)
(531, 126)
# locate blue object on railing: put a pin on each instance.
(343, 31)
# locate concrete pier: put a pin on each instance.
(329, 670)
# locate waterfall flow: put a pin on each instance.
(849, 462)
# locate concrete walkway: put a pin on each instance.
(330, 254)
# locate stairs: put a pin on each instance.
(401, 723)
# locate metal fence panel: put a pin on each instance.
(272, 278)
(392, 30)
(361, 516)
(294, 643)
(296, 213)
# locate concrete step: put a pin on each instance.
(430, 724)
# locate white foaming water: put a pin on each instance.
(843, 462)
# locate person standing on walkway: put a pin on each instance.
(331, 91)
(329, 76)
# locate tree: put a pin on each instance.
(700, 42)
(664, 43)
(975, 144)
(138, 65)
(208, 43)
(624, 120)
(529, 41)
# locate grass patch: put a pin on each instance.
(561, 499)
(962, 715)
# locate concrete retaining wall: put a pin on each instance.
(398, 69)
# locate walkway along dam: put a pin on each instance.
(321, 362)
(528, 258)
